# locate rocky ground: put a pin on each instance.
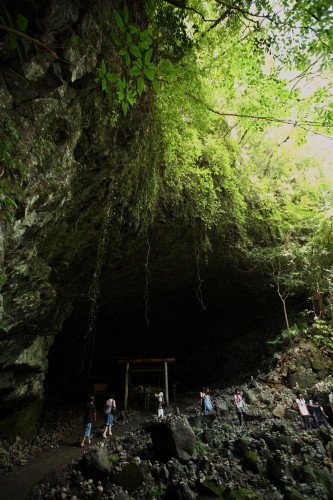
(55, 426)
(190, 455)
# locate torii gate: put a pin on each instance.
(127, 362)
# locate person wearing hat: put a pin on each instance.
(88, 418)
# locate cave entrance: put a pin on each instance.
(145, 367)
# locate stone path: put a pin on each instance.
(17, 484)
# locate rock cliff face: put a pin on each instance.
(59, 157)
(77, 275)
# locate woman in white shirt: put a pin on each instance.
(303, 410)
(160, 398)
(109, 408)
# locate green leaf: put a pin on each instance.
(150, 66)
(123, 52)
(131, 99)
(128, 38)
(14, 44)
(112, 77)
(121, 84)
(103, 67)
(132, 29)
(143, 34)
(134, 49)
(148, 55)
(127, 59)
(138, 63)
(10, 201)
(104, 84)
(116, 39)
(108, 93)
(125, 13)
(155, 85)
(140, 85)
(12, 41)
(149, 74)
(21, 22)
(124, 105)
(144, 45)
(144, 37)
(135, 71)
(119, 21)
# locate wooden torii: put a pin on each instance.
(127, 362)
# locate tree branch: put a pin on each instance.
(294, 123)
(27, 37)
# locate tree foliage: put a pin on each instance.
(243, 94)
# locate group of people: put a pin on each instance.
(205, 400)
(309, 406)
(90, 416)
(206, 403)
(109, 409)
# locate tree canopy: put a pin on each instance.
(245, 105)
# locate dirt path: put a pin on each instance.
(18, 483)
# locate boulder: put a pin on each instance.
(180, 491)
(250, 461)
(265, 396)
(279, 411)
(174, 438)
(222, 407)
(95, 464)
(250, 397)
(302, 379)
(131, 477)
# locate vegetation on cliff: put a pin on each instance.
(236, 101)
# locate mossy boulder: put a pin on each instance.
(250, 461)
(21, 421)
(131, 477)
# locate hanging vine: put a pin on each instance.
(94, 289)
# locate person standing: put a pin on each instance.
(202, 397)
(109, 408)
(322, 417)
(207, 404)
(160, 398)
(300, 401)
(88, 418)
(239, 403)
(312, 406)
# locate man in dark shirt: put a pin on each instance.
(88, 418)
(311, 402)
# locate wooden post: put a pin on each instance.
(126, 387)
(166, 383)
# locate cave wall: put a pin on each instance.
(63, 159)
